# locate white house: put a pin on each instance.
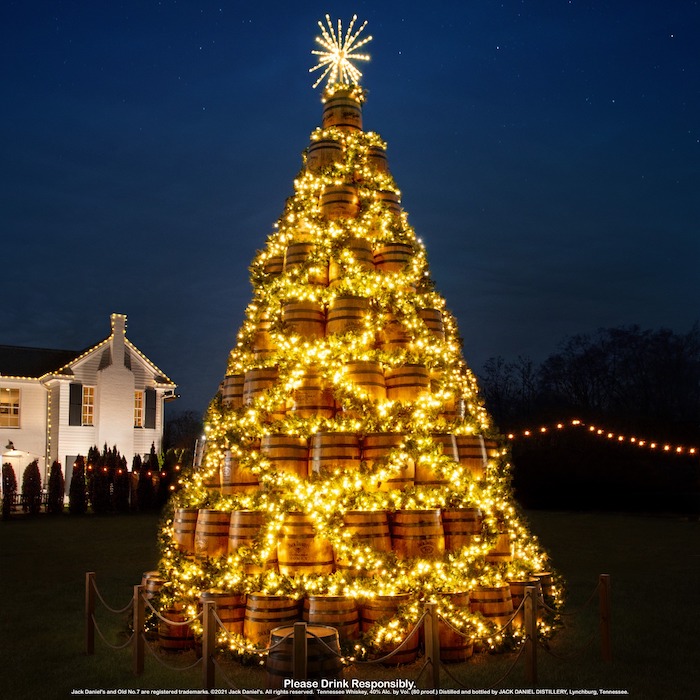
(56, 404)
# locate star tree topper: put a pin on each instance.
(339, 52)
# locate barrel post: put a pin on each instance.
(530, 602)
(90, 612)
(208, 644)
(299, 652)
(432, 644)
(139, 624)
(605, 614)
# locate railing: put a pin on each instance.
(211, 624)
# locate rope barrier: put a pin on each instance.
(575, 612)
(174, 623)
(573, 655)
(413, 632)
(102, 637)
(158, 658)
(252, 650)
(317, 638)
(126, 608)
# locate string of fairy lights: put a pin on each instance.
(612, 435)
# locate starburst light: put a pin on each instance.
(339, 52)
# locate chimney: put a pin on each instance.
(118, 336)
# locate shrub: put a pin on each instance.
(57, 490)
(31, 488)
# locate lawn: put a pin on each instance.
(654, 563)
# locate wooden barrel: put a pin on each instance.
(184, 525)
(343, 111)
(407, 382)
(340, 202)
(264, 612)
(368, 528)
(274, 265)
(312, 397)
(368, 376)
(298, 255)
(211, 533)
(322, 153)
(474, 452)
(382, 609)
(517, 594)
(433, 320)
(175, 637)
(460, 525)
(300, 550)
(263, 342)
(232, 390)
(493, 602)
(322, 655)
(331, 451)
(230, 608)
(236, 478)
(346, 314)
(258, 381)
(546, 579)
(393, 257)
(376, 157)
(305, 318)
(286, 453)
(454, 646)
(393, 335)
(427, 476)
(152, 583)
(417, 533)
(336, 611)
(244, 527)
(502, 551)
(375, 450)
(357, 255)
(390, 200)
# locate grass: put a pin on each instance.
(654, 563)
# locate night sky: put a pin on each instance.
(548, 155)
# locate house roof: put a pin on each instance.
(18, 361)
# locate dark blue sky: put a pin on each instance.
(548, 155)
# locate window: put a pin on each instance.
(138, 409)
(88, 405)
(9, 408)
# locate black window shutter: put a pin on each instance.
(150, 406)
(75, 409)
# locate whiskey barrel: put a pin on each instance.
(417, 533)
(263, 342)
(376, 157)
(342, 110)
(502, 551)
(546, 579)
(184, 525)
(331, 451)
(407, 382)
(454, 646)
(274, 265)
(346, 314)
(390, 200)
(257, 381)
(393, 257)
(336, 611)
(305, 318)
(368, 376)
(460, 525)
(230, 608)
(177, 636)
(152, 583)
(493, 602)
(236, 478)
(232, 390)
(474, 452)
(357, 255)
(211, 533)
(312, 397)
(286, 453)
(517, 594)
(300, 550)
(393, 335)
(244, 527)
(322, 655)
(368, 528)
(433, 320)
(340, 202)
(298, 254)
(264, 612)
(375, 450)
(381, 609)
(427, 476)
(322, 153)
